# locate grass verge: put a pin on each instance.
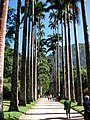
(14, 115)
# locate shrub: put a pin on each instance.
(7, 88)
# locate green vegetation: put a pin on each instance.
(13, 115)
(44, 74)
(78, 108)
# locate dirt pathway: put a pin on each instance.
(49, 110)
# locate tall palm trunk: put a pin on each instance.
(3, 20)
(28, 61)
(87, 45)
(36, 67)
(63, 61)
(34, 71)
(58, 65)
(39, 38)
(23, 72)
(70, 59)
(14, 83)
(79, 81)
(56, 68)
(32, 51)
(39, 53)
(67, 60)
(53, 75)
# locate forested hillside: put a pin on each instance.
(81, 53)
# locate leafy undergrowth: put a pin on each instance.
(14, 115)
(74, 106)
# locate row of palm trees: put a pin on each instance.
(65, 11)
(71, 9)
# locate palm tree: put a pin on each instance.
(36, 62)
(58, 64)
(3, 19)
(39, 15)
(70, 57)
(28, 59)
(51, 44)
(41, 50)
(54, 15)
(55, 26)
(32, 52)
(87, 46)
(67, 60)
(63, 60)
(14, 87)
(23, 72)
(79, 85)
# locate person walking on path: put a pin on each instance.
(86, 105)
(67, 106)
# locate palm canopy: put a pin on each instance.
(41, 32)
(61, 6)
(39, 8)
(44, 66)
(57, 4)
(51, 42)
(42, 48)
(53, 23)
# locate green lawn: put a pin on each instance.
(14, 115)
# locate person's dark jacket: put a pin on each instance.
(87, 107)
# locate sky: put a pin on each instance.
(13, 3)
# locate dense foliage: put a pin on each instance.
(44, 74)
